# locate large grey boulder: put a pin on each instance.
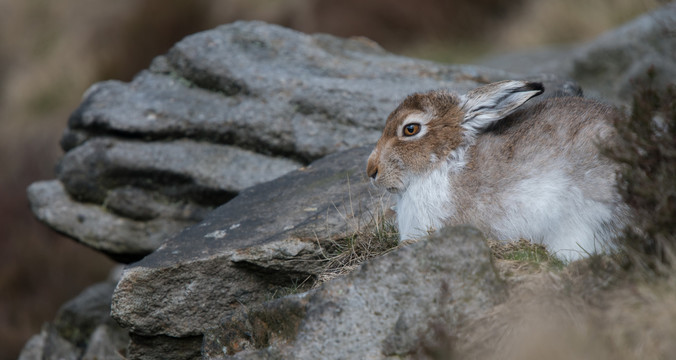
(607, 66)
(386, 308)
(224, 110)
(268, 238)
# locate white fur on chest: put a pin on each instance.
(424, 204)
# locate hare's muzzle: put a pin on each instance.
(372, 171)
(372, 166)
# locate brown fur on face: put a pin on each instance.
(395, 157)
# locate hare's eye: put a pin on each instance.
(411, 129)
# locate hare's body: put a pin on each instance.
(534, 172)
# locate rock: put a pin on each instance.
(34, 347)
(384, 309)
(606, 66)
(77, 319)
(203, 173)
(263, 240)
(82, 329)
(106, 342)
(223, 110)
(58, 348)
(124, 239)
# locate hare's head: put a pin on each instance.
(435, 128)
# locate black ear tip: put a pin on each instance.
(534, 86)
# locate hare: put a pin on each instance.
(515, 171)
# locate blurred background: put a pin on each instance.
(52, 51)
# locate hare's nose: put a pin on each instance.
(372, 171)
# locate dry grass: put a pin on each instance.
(342, 256)
(368, 234)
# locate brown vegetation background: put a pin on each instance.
(51, 51)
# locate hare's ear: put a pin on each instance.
(485, 105)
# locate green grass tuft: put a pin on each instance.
(526, 252)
